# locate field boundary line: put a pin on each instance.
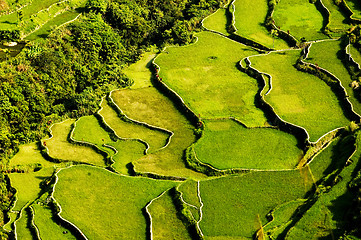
(11, 210)
(348, 53)
(47, 154)
(60, 208)
(338, 81)
(200, 208)
(114, 132)
(286, 122)
(32, 215)
(91, 145)
(69, 21)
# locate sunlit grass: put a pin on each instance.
(60, 148)
(205, 75)
(227, 144)
(301, 18)
(300, 98)
(106, 205)
(250, 16)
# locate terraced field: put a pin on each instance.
(225, 138)
(35, 19)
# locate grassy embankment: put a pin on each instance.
(127, 130)
(165, 223)
(355, 7)
(28, 187)
(48, 229)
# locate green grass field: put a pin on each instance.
(148, 105)
(128, 151)
(140, 72)
(325, 55)
(156, 139)
(250, 16)
(217, 21)
(236, 206)
(113, 202)
(60, 148)
(208, 67)
(48, 229)
(336, 26)
(27, 186)
(273, 199)
(165, 223)
(301, 18)
(88, 129)
(227, 144)
(22, 230)
(300, 98)
(29, 154)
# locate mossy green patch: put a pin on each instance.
(250, 16)
(97, 201)
(235, 146)
(301, 18)
(165, 223)
(236, 206)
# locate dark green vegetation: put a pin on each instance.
(145, 119)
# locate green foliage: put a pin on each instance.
(98, 6)
(10, 35)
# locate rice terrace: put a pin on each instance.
(180, 119)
